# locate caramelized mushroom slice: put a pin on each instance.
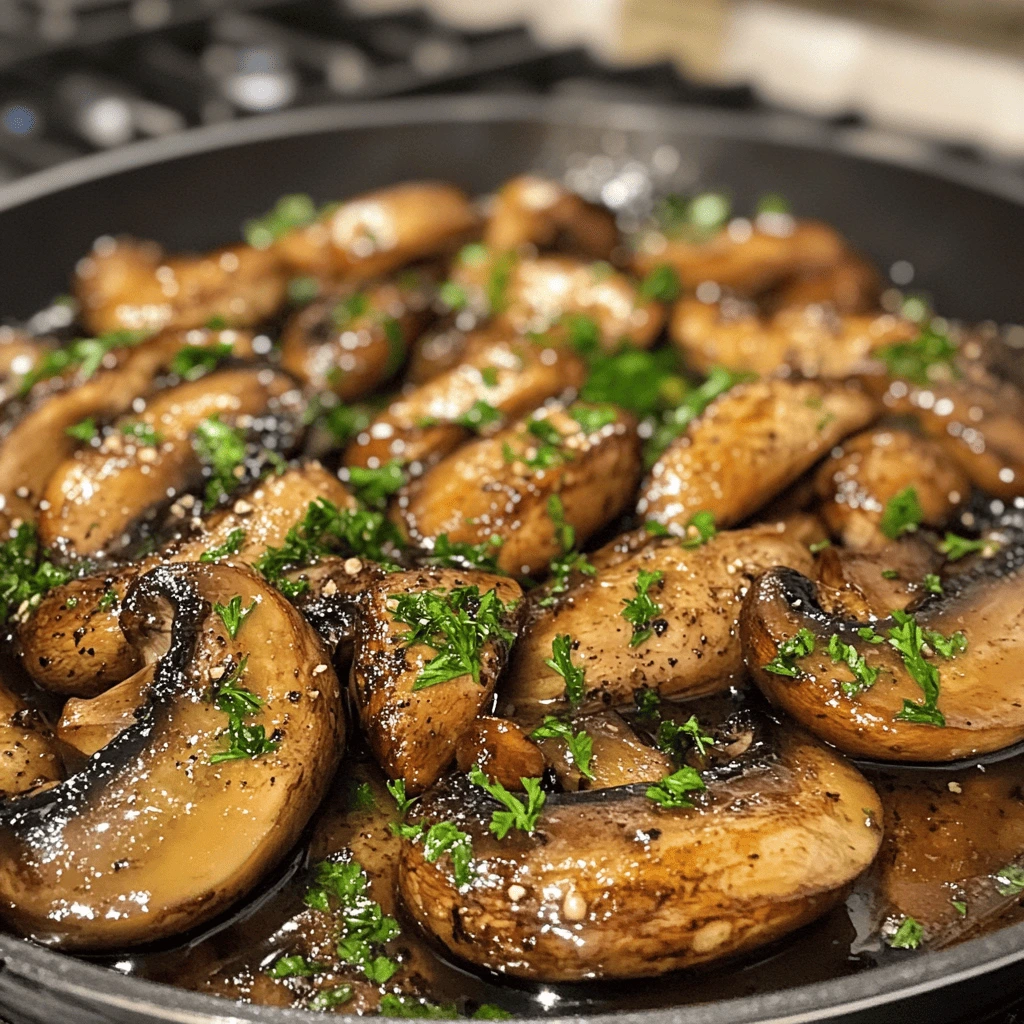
(73, 643)
(28, 752)
(351, 344)
(529, 210)
(860, 478)
(981, 428)
(124, 284)
(812, 340)
(510, 377)
(416, 700)
(689, 646)
(502, 749)
(748, 446)
(88, 725)
(747, 261)
(378, 232)
(157, 812)
(537, 295)
(610, 885)
(964, 642)
(96, 496)
(851, 286)
(587, 457)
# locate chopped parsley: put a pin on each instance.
(84, 430)
(456, 624)
(26, 574)
(772, 202)
(396, 787)
(908, 935)
(908, 639)
(83, 355)
(232, 614)
(364, 926)
(441, 838)
(517, 814)
(232, 544)
(660, 285)
(303, 290)
(321, 531)
(289, 212)
(902, 514)
(108, 601)
(672, 790)
(696, 218)
(918, 360)
(294, 967)
(474, 254)
(818, 546)
(498, 281)
(328, 998)
(634, 379)
(1010, 880)
(960, 906)
(890, 574)
(933, 584)
(222, 449)
(846, 654)
(361, 798)
(592, 418)
(699, 530)
(655, 529)
(489, 375)
(341, 421)
(867, 633)
(392, 1005)
(674, 738)
(460, 555)
(584, 333)
(561, 662)
(647, 702)
(194, 361)
(453, 295)
(798, 646)
(142, 434)
(955, 547)
(579, 744)
(373, 487)
(640, 610)
(565, 533)
(238, 704)
(479, 417)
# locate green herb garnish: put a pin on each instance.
(289, 212)
(328, 998)
(955, 547)
(694, 219)
(674, 738)
(592, 418)
(640, 610)
(517, 814)
(661, 285)
(672, 790)
(460, 555)
(194, 361)
(396, 787)
(373, 487)
(908, 935)
(902, 514)
(238, 704)
(83, 356)
(797, 646)
(1010, 880)
(392, 1005)
(456, 624)
(84, 430)
(846, 654)
(232, 614)
(480, 416)
(25, 573)
(933, 584)
(579, 744)
(918, 360)
(699, 530)
(142, 434)
(908, 639)
(561, 662)
(584, 333)
(453, 295)
(232, 544)
(294, 967)
(222, 449)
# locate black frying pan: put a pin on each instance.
(959, 226)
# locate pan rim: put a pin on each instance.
(26, 963)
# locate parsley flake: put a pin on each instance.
(238, 703)
(902, 514)
(579, 744)
(222, 449)
(232, 614)
(294, 967)
(929, 356)
(699, 530)
(640, 610)
(955, 547)
(660, 285)
(672, 790)
(1010, 880)
(846, 654)
(798, 646)
(231, 546)
(908, 935)
(517, 814)
(479, 417)
(373, 487)
(84, 430)
(561, 662)
(25, 576)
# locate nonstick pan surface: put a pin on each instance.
(958, 224)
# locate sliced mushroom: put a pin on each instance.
(747, 261)
(511, 377)
(748, 446)
(379, 232)
(862, 476)
(981, 428)
(539, 294)
(811, 340)
(529, 210)
(502, 749)
(438, 349)
(73, 643)
(351, 344)
(154, 813)
(851, 286)
(88, 725)
(691, 644)
(413, 728)
(978, 697)
(124, 284)
(501, 486)
(28, 751)
(609, 885)
(96, 496)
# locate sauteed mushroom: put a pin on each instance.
(750, 444)
(28, 753)
(430, 646)
(935, 683)
(73, 642)
(159, 831)
(609, 885)
(99, 493)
